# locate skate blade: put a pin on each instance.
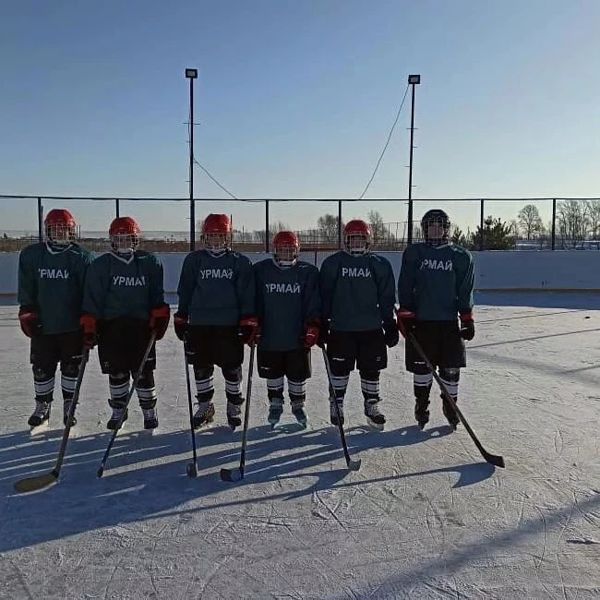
(375, 426)
(205, 425)
(39, 429)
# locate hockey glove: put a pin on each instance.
(90, 334)
(159, 320)
(30, 321)
(311, 334)
(180, 322)
(249, 330)
(467, 326)
(390, 334)
(406, 321)
(323, 335)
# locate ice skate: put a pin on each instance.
(150, 418)
(421, 414)
(234, 414)
(204, 415)
(300, 414)
(275, 411)
(40, 415)
(450, 414)
(375, 418)
(118, 414)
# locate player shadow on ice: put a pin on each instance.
(146, 478)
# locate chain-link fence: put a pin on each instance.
(478, 224)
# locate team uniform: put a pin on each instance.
(215, 317)
(288, 310)
(123, 305)
(50, 289)
(435, 287)
(358, 297)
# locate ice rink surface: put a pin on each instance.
(424, 517)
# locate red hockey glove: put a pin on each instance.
(467, 326)
(406, 321)
(249, 330)
(90, 334)
(30, 321)
(159, 320)
(180, 322)
(311, 334)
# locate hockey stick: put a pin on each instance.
(34, 484)
(191, 468)
(353, 465)
(134, 384)
(238, 474)
(493, 459)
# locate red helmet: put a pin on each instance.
(124, 233)
(124, 226)
(357, 236)
(216, 224)
(216, 233)
(286, 247)
(60, 226)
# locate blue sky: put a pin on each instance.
(295, 99)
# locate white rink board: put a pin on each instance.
(494, 270)
(423, 518)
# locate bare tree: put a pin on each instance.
(377, 225)
(593, 213)
(530, 221)
(572, 221)
(328, 227)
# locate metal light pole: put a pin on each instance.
(192, 74)
(412, 80)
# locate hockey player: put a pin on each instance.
(435, 287)
(51, 278)
(288, 309)
(123, 305)
(216, 317)
(358, 297)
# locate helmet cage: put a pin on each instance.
(216, 242)
(60, 234)
(357, 243)
(124, 243)
(440, 220)
(286, 254)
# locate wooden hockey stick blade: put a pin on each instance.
(231, 475)
(36, 484)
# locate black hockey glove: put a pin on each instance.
(390, 334)
(467, 327)
(180, 322)
(323, 334)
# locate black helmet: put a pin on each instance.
(437, 216)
